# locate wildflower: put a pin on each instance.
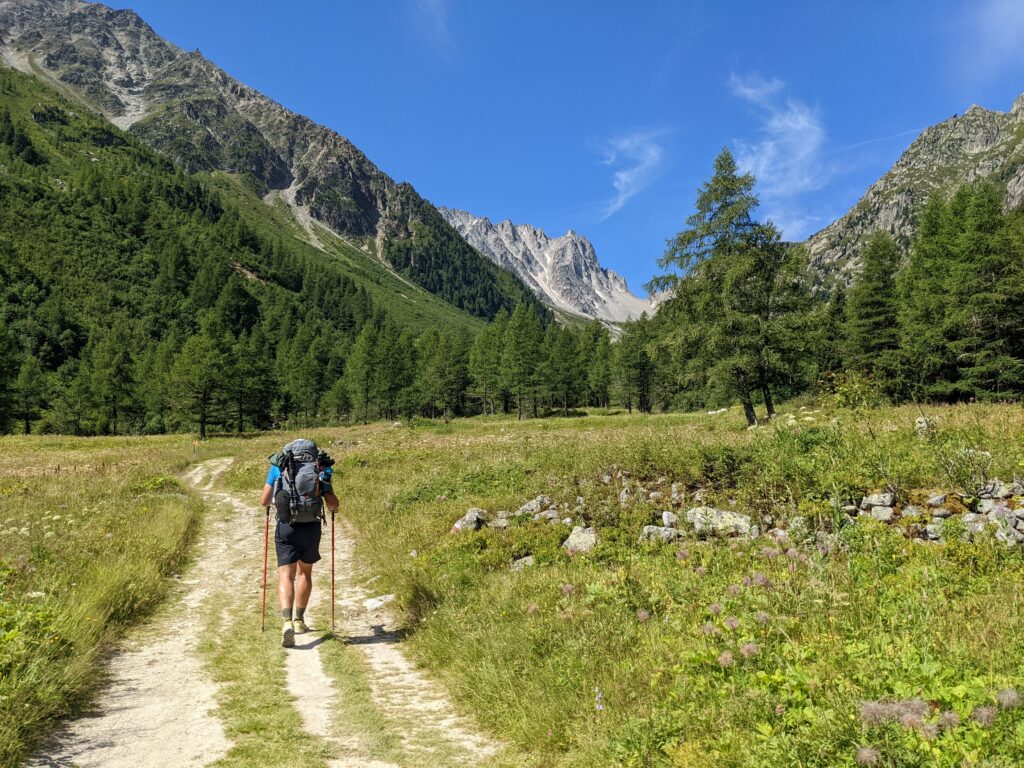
(779, 709)
(533, 609)
(867, 756)
(733, 590)
(598, 699)
(749, 650)
(792, 553)
(910, 721)
(732, 623)
(769, 553)
(792, 568)
(1008, 698)
(700, 570)
(874, 712)
(725, 659)
(984, 716)
(763, 617)
(747, 581)
(682, 554)
(709, 629)
(568, 589)
(917, 707)
(642, 615)
(761, 580)
(715, 609)
(949, 719)
(930, 732)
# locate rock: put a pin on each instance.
(941, 512)
(933, 531)
(607, 479)
(1009, 536)
(676, 491)
(1019, 513)
(656, 496)
(973, 523)
(798, 529)
(910, 510)
(534, 506)
(937, 500)
(580, 541)
(1016, 489)
(624, 496)
(549, 515)
(669, 519)
(473, 520)
(1001, 512)
(986, 505)
(778, 535)
(924, 426)
(522, 562)
(658, 533)
(708, 521)
(884, 499)
(502, 514)
(883, 514)
(850, 510)
(698, 495)
(499, 523)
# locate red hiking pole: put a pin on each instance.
(266, 546)
(332, 571)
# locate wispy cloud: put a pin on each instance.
(431, 19)
(637, 158)
(995, 38)
(787, 156)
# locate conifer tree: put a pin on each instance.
(197, 383)
(872, 336)
(30, 391)
(520, 362)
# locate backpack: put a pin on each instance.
(297, 496)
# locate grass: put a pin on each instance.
(695, 654)
(90, 528)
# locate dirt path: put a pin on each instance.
(159, 710)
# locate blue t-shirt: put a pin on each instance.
(325, 478)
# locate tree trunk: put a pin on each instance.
(768, 403)
(748, 405)
(519, 402)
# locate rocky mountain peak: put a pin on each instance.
(563, 272)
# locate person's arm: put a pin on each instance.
(331, 501)
(267, 496)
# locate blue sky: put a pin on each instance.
(604, 117)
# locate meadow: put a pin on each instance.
(851, 644)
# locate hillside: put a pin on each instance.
(563, 272)
(191, 110)
(114, 262)
(979, 144)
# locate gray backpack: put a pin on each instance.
(297, 497)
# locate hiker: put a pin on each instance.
(298, 485)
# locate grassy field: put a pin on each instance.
(859, 646)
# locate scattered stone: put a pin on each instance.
(473, 520)
(973, 523)
(698, 496)
(937, 500)
(884, 499)
(933, 531)
(522, 562)
(656, 496)
(941, 512)
(883, 514)
(658, 533)
(778, 535)
(986, 505)
(1002, 512)
(1017, 489)
(911, 510)
(924, 427)
(580, 541)
(548, 515)
(624, 495)
(499, 523)
(502, 514)
(669, 519)
(709, 521)
(534, 506)
(607, 479)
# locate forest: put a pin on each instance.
(137, 300)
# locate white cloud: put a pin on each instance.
(431, 18)
(637, 158)
(786, 158)
(998, 35)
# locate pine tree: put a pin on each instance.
(30, 391)
(872, 335)
(485, 362)
(599, 372)
(359, 373)
(197, 382)
(634, 369)
(521, 357)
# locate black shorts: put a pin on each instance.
(298, 541)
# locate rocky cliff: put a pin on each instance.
(563, 272)
(980, 144)
(188, 108)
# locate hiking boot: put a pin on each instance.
(287, 635)
(300, 626)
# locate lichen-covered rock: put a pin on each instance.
(669, 519)
(910, 510)
(709, 521)
(580, 541)
(937, 500)
(548, 515)
(883, 514)
(534, 506)
(499, 523)
(522, 562)
(883, 499)
(941, 512)
(661, 533)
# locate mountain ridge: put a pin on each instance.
(563, 272)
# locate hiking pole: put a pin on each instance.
(332, 569)
(266, 546)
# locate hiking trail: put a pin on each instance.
(159, 709)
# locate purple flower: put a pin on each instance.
(792, 553)
(709, 629)
(732, 623)
(984, 716)
(1008, 698)
(749, 650)
(874, 712)
(715, 609)
(949, 719)
(747, 581)
(682, 554)
(763, 617)
(700, 570)
(733, 590)
(910, 721)
(725, 659)
(642, 615)
(568, 589)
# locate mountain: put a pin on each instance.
(979, 144)
(563, 272)
(192, 111)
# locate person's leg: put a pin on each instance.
(286, 589)
(303, 587)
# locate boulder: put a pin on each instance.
(708, 521)
(581, 540)
(941, 512)
(499, 523)
(548, 515)
(910, 510)
(883, 514)
(624, 496)
(933, 531)
(534, 506)
(473, 520)
(661, 533)
(973, 523)
(669, 519)
(656, 496)
(937, 500)
(1001, 512)
(986, 505)
(884, 499)
(522, 562)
